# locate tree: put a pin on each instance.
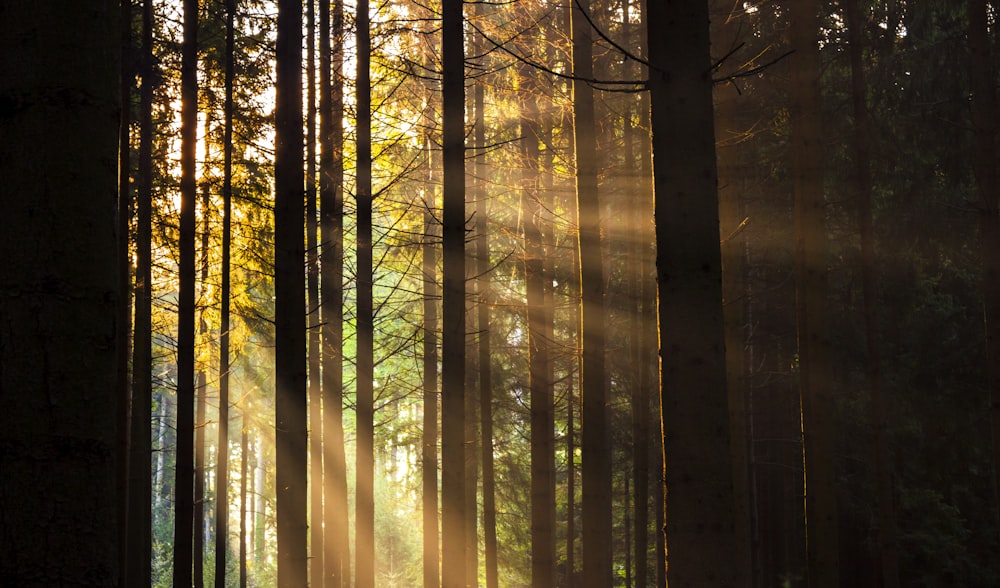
(485, 357)
(543, 495)
(429, 454)
(184, 463)
(331, 164)
(699, 532)
(59, 294)
(811, 294)
(595, 444)
(222, 465)
(139, 570)
(364, 542)
(289, 291)
(316, 559)
(453, 511)
(984, 120)
(887, 528)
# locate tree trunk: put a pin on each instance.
(543, 546)
(184, 463)
(364, 542)
(596, 446)
(811, 294)
(429, 460)
(244, 460)
(887, 528)
(316, 539)
(485, 358)
(290, 312)
(124, 320)
(726, 32)
(59, 293)
(453, 298)
(201, 390)
(984, 121)
(139, 571)
(336, 543)
(222, 466)
(699, 534)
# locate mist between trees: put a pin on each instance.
(536, 293)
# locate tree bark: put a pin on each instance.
(364, 542)
(984, 121)
(429, 457)
(485, 356)
(139, 571)
(59, 293)
(453, 298)
(316, 560)
(336, 543)
(184, 462)
(887, 528)
(290, 311)
(222, 465)
(699, 534)
(811, 294)
(595, 446)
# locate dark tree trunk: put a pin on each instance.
(336, 557)
(59, 293)
(887, 529)
(364, 542)
(453, 299)
(726, 31)
(596, 446)
(984, 121)
(811, 293)
(429, 458)
(184, 463)
(222, 465)
(201, 390)
(290, 312)
(139, 572)
(244, 460)
(699, 534)
(485, 357)
(316, 551)
(543, 546)
(124, 320)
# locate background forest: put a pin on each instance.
(392, 321)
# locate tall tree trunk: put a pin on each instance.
(201, 390)
(364, 542)
(429, 461)
(596, 446)
(638, 199)
(726, 31)
(290, 313)
(811, 294)
(887, 529)
(59, 293)
(453, 298)
(244, 460)
(336, 542)
(485, 356)
(124, 320)
(699, 533)
(139, 572)
(222, 465)
(184, 463)
(984, 121)
(198, 541)
(316, 562)
(543, 546)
